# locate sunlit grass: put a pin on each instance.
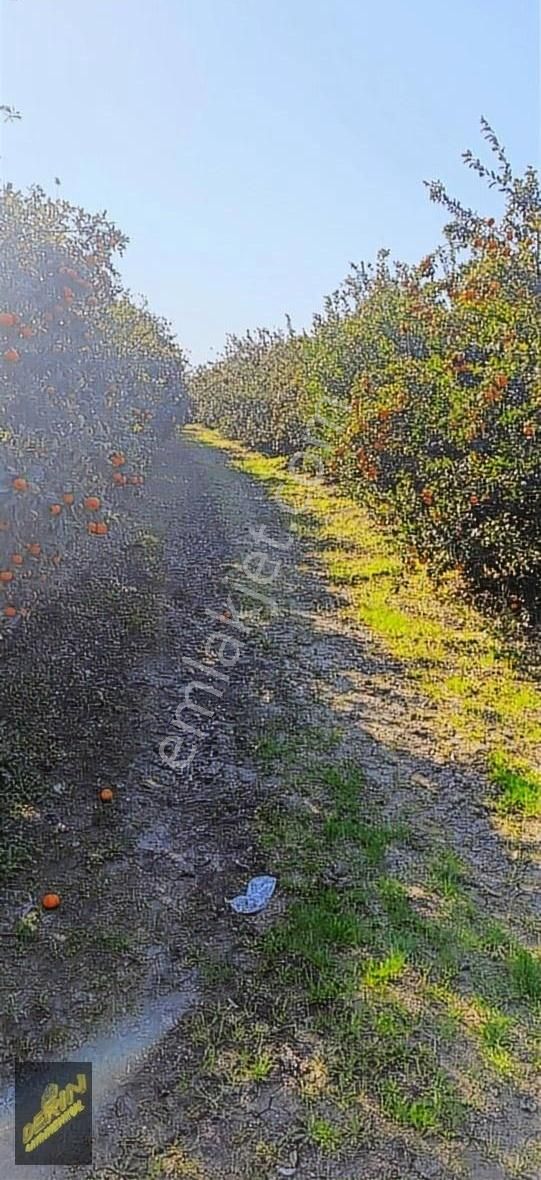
(453, 653)
(519, 788)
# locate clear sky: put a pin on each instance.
(252, 148)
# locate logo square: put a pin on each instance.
(53, 1112)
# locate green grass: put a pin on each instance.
(519, 789)
(447, 872)
(525, 971)
(453, 652)
(386, 970)
(435, 1111)
(496, 1031)
(324, 1134)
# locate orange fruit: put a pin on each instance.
(19, 484)
(92, 503)
(101, 528)
(117, 459)
(10, 612)
(6, 575)
(26, 332)
(106, 795)
(11, 355)
(50, 901)
(7, 319)
(118, 478)
(68, 498)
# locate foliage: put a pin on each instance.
(254, 391)
(428, 381)
(84, 374)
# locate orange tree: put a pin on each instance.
(83, 373)
(441, 424)
(253, 391)
(426, 380)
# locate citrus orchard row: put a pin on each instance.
(426, 381)
(84, 375)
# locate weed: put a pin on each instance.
(525, 971)
(519, 788)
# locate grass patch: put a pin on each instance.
(379, 973)
(447, 873)
(519, 789)
(525, 972)
(324, 1134)
(454, 653)
(435, 1111)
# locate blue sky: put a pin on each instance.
(252, 148)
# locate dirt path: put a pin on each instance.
(233, 1066)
